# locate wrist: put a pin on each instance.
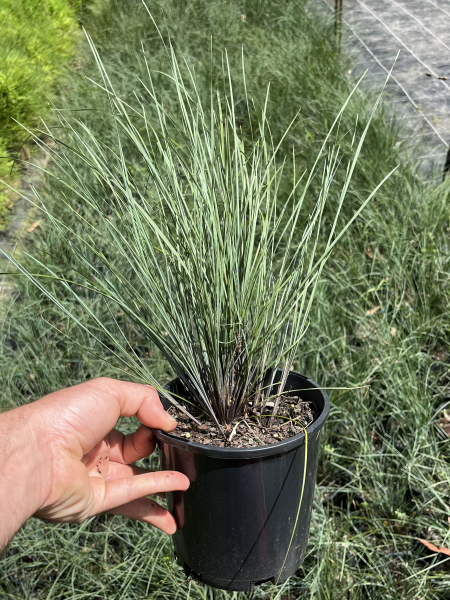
(24, 476)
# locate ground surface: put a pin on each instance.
(380, 318)
(419, 29)
(20, 220)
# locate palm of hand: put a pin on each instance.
(92, 472)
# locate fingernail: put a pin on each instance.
(172, 419)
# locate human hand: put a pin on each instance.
(75, 465)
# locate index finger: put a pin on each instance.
(90, 410)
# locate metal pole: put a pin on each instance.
(338, 21)
(447, 164)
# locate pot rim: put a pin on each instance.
(258, 451)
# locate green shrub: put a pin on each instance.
(36, 39)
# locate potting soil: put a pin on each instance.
(293, 416)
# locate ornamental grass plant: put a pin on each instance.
(218, 267)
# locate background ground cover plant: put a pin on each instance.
(381, 318)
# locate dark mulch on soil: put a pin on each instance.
(249, 431)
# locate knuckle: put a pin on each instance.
(102, 381)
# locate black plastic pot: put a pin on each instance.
(236, 519)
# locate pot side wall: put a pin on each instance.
(236, 519)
